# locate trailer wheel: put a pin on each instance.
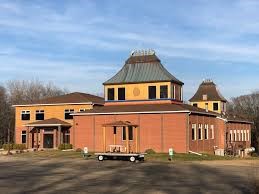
(100, 158)
(132, 159)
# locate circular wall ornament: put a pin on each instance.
(136, 91)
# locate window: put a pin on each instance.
(238, 135)
(242, 135)
(121, 93)
(200, 132)
(114, 131)
(130, 133)
(248, 135)
(206, 106)
(39, 115)
(235, 135)
(204, 97)
(26, 115)
(152, 92)
(212, 131)
(231, 137)
(110, 93)
(163, 91)
(23, 136)
(215, 106)
(82, 109)
(67, 114)
(226, 137)
(173, 91)
(194, 132)
(195, 104)
(206, 135)
(66, 137)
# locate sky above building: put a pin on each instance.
(80, 44)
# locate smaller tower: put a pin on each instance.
(208, 97)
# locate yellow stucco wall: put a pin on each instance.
(130, 89)
(210, 105)
(50, 111)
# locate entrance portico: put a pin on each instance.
(47, 134)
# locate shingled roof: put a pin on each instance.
(141, 67)
(71, 98)
(207, 88)
(145, 108)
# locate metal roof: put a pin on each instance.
(141, 69)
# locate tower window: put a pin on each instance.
(215, 106)
(195, 104)
(121, 93)
(110, 93)
(163, 91)
(204, 97)
(152, 92)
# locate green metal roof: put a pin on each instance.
(141, 69)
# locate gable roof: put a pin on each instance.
(145, 108)
(141, 69)
(72, 98)
(207, 88)
(48, 122)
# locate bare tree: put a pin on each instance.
(247, 106)
(21, 92)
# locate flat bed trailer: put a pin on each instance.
(126, 156)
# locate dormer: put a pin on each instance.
(143, 79)
(208, 97)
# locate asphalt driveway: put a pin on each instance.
(39, 175)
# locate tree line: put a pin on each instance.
(17, 92)
(247, 107)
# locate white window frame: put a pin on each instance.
(238, 132)
(68, 111)
(82, 109)
(194, 126)
(206, 127)
(248, 135)
(25, 112)
(235, 135)
(242, 135)
(200, 127)
(212, 131)
(24, 135)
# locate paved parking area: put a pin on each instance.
(43, 175)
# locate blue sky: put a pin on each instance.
(80, 44)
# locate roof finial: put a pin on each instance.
(142, 52)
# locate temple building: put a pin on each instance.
(144, 102)
(142, 109)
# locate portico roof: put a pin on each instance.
(48, 123)
(119, 124)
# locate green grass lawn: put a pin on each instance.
(158, 157)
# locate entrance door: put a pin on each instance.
(48, 141)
